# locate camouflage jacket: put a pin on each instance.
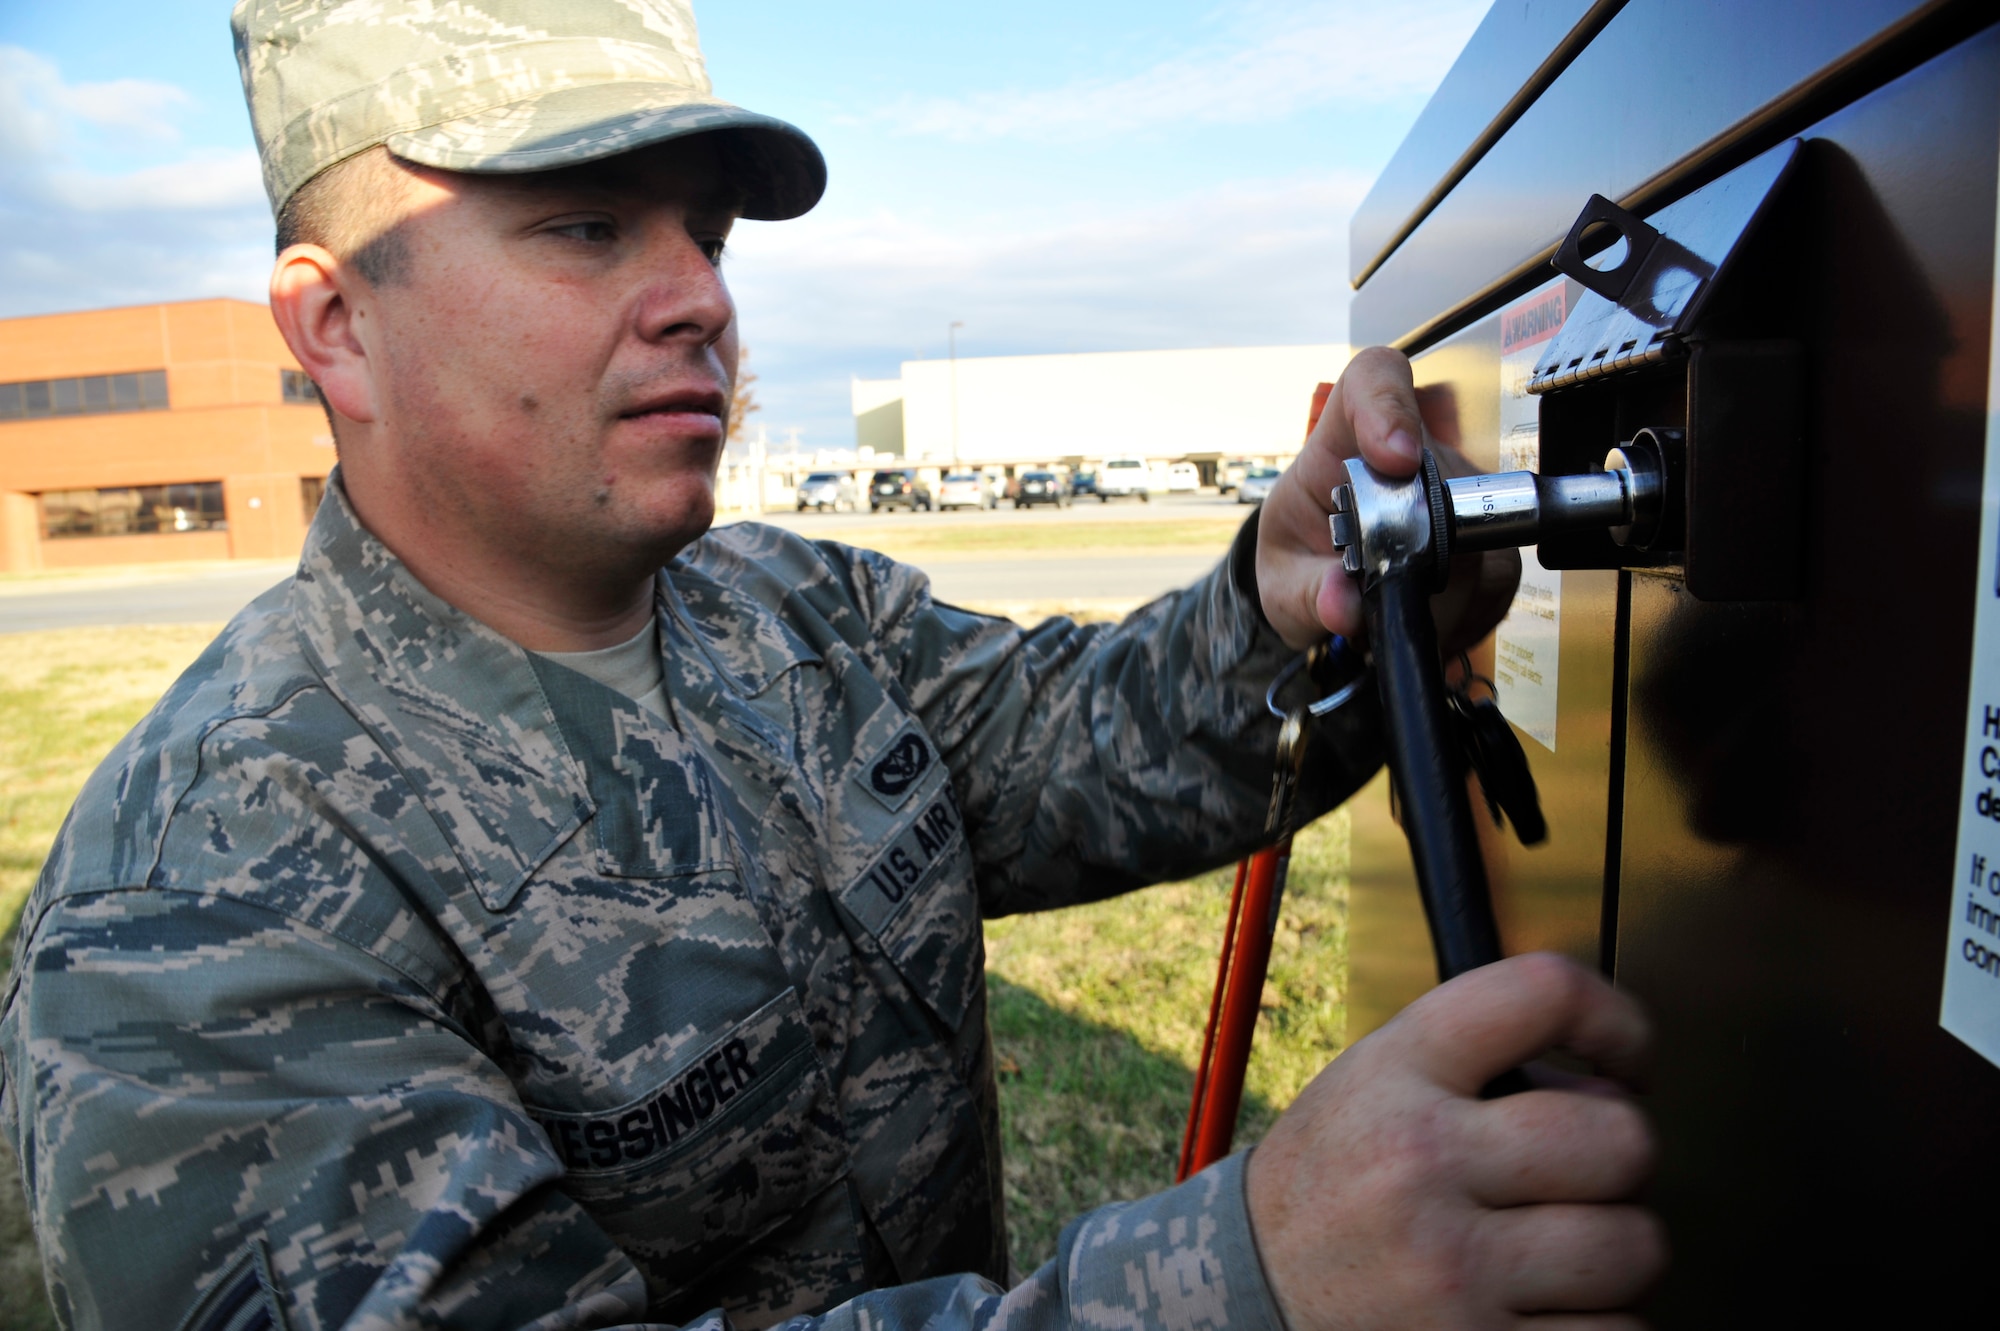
(388, 975)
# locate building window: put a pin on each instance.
(133, 510)
(312, 489)
(89, 396)
(296, 387)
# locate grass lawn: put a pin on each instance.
(1097, 1016)
(1096, 1011)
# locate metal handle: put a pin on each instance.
(1430, 780)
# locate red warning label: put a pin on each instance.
(1536, 319)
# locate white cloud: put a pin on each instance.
(1280, 62)
(208, 181)
(188, 224)
(133, 106)
(825, 297)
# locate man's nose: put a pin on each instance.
(684, 296)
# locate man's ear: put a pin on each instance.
(321, 306)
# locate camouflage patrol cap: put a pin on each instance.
(498, 86)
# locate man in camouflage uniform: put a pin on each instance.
(543, 911)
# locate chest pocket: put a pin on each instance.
(737, 1140)
(680, 1085)
(902, 867)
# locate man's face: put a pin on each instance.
(554, 359)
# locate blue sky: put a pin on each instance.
(1070, 176)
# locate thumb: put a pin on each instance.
(1466, 1032)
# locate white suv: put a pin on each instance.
(1122, 478)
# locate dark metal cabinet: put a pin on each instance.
(1753, 803)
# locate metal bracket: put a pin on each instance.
(1614, 284)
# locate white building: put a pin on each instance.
(1197, 405)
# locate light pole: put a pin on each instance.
(951, 340)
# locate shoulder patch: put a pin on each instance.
(898, 769)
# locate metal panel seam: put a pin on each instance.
(1546, 73)
(1892, 53)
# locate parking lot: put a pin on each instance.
(1097, 557)
(1201, 504)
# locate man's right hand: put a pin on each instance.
(1391, 1196)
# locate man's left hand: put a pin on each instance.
(1374, 413)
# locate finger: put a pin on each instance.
(1573, 1258)
(1373, 402)
(1545, 1076)
(1464, 1033)
(1378, 398)
(1337, 603)
(1555, 1146)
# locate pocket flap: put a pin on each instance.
(734, 1140)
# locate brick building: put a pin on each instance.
(155, 432)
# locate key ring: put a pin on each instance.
(1321, 707)
(1461, 692)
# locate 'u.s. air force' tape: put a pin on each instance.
(914, 856)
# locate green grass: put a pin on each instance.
(1097, 1016)
(66, 696)
(1096, 1011)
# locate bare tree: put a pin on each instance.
(743, 401)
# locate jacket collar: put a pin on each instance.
(461, 711)
(453, 704)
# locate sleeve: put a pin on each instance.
(1180, 1260)
(1092, 759)
(308, 1139)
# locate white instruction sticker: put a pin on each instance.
(1527, 644)
(1971, 1007)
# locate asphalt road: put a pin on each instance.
(208, 596)
(214, 593)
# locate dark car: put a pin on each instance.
(1041, 487)
(1083, 485)
(899, 489)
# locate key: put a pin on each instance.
(1502, 765)
(1292, 735)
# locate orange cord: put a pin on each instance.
(1193, 1129)
(1232, 1023)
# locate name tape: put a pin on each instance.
(609, 1141)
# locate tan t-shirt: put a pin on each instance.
(633, 668)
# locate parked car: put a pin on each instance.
(1183, 478)
(1083, 485)
(829, 489)
(1042, 487)
(899, 489)
(1256, 484)
(1124, 478)
(964, 489)
(1230, 474)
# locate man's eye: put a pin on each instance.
(593, 233)
(713, 249)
